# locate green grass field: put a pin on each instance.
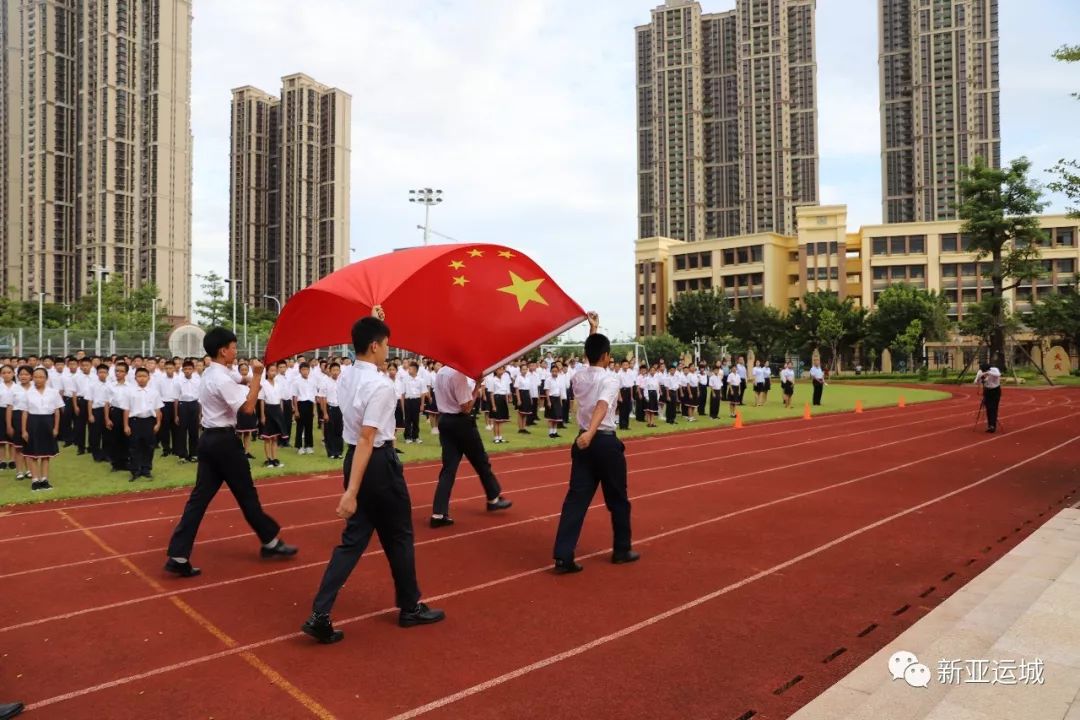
(73, 476)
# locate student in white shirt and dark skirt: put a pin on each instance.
(271, 416)
(652, 396)
(24, 375)
(247, 423)
(376, 498)
(40, 428)
(142, 420)
(524, 401)
(818, 377)
(716, 385)
(554, 400)
(787, 383)
(221, 458)
(597, 459)
(734, 393)
(500, 403)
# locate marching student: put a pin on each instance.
(458, 436)
(376, 497)
(522, 385)
(15, 419)
(142, 420)
(40, 427)
(597, 457)
(818, 377)
(168, 386)
(117, 403)
(247, 424)
(627, 380)
(221, 458)
(271, 416)
(97, 397)
(7, 383)
(415, 391)
(189, 412)
(331, 411)
(787, 383)
(734, 383)
(554, 400)
(81, 403)
(303, 389)
(716, 386)
(500, 399)
(989, 376)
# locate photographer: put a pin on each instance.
(990, 379)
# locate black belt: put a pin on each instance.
(230, 428)
(598, 432)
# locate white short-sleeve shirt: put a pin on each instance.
(221, 396)
(451, 391)
(144, 402)
(592, 385)
(43, 402)
(367, 400)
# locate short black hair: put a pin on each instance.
(333, 365)
(305, 365)
(120, 364)
(368, 330)
(216, 340)
(188, 363)
(142, 370)
(595, 347)
(985, 367)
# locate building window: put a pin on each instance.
(897, 245)
(881, 273)
(917, 244)
(948, 243)
(1065, 237)
(680, 262)
(948, 270)
(881, 246)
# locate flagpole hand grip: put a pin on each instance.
(594, 322)
(377, 312)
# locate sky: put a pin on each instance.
(523, 113)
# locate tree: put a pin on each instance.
(662, 346)
(123, 309)
(1068, 171)
(831, 331)
(214, 309)
(910, 339)
(898, 305)
(701, 314)
(804, 319)
(759, 326)
(979, 320)
(1000, 212)
(1057, 316)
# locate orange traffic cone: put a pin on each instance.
(901, 403)
(738, 419)
(858, 406)
(806, 411)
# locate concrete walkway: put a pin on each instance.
(1024, 608)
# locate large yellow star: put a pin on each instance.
(524, 290)
(506, 254)
(476, 253)
(460, 281)
(457, 264)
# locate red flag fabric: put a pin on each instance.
(472, 307)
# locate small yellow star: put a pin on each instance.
(476, 253)
(506, 254)
(524, 290)
(457, 264)
(460, 280)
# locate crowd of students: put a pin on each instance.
(119, 410)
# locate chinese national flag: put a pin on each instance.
(472, 307)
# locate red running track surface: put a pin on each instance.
(776, 558)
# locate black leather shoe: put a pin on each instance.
(625, 557)
(10, 710)
(319, 627)
(182, 569)
(441, 522)
(500, 504)
(281, 550)
(565, 567)
(420, 615)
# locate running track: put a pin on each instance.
(776, 558)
